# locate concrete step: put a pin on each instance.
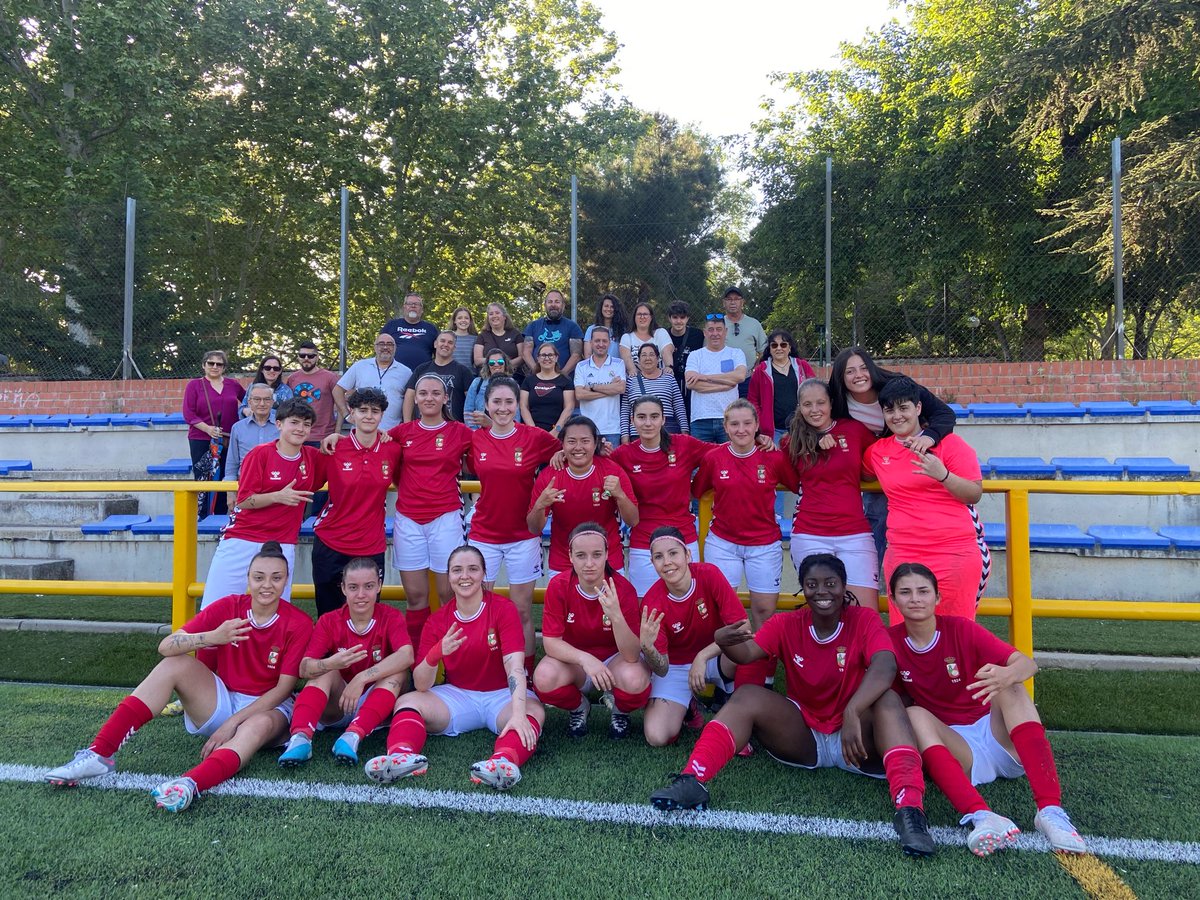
(69, 509)
(42, 569)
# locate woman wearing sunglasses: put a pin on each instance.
(210, 407)
(496, 362)
(270, 373)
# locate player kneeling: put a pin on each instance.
(589, 630)
(355, 664)
(839, 710)
(974, 720)
(243, 706)
(479, 639)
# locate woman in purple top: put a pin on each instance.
(210, 407)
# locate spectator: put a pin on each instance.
(499, 334)
(651, 381)
(270, 373)
(413, 335)
(599, 386)
(210, 406)
(314, 385)
(684, 339)
(744, 332)
(462, 324)
(455, 376)
(775, 384)
(646, 331)
(257, 428)
(713, 375)
(547, 396)
(474, 409)
(556, 329)
(380, 371)
(611, 314)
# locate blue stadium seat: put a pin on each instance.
(1157, 466)
(984, 469)
(91, 420)
(1184, 537)
(1086, 465)
(995, 534)
(212, 524)
(1128, 537)
(389, 525)
(174, 466)
(113, 524)
(142, 420)
(960, 411)
(156, 525)
(1054, 535)
(1112, 408)
(56, 421)
(1170, 407)
(306, 527)
(17, 465)
(785, 527)
(1054, 410)
(175, 418)
(1021, 467)
(16, 421)
(996, 411)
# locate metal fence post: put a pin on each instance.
(574, 246)
(342, 309)
(127, 331)
(1118, 251)
(829, 260)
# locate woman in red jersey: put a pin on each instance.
(505, 458)
(839, 710)
(356, 665)
(681, 613)
(590, 631)
(242, 706)
(477, 638)
(589, 489)
(973, 718)
(827, 454)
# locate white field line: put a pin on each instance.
(609, 813)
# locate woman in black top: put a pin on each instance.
(547, 396)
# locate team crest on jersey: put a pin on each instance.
(570, 618)
(952, 668)
(841, 442)
(595, 496)
(303, 470)
(677, 627)
(440, 442)
(607, 622)
(841, 657)
(386, 469)
(273, 658)
(906, 675)
(702, 609)
(493, 640)
(671, 458)
(376, 655)
(516, 455)
(798, 660)
(276, 475)
(762, 474)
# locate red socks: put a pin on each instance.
(414, 621)
(627, 702)
(1033, 750)
(902, 766)
(948, 775)
(530, 662)
(510, 747)
(377, 707)
(130, 715)
(220, 766)
(715, 748)
(755, 672)
(566, 697)
(407, 733)
(307, 711)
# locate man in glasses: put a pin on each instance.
(379, 371)
(713, 374)
(414, 337)
(249, 431)
(743, 332)
(314, 385)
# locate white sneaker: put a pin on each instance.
(394, 766)
(498, 773)
(1055, 824)
(175, 795)
(86, 764)
(989, 832)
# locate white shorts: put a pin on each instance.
(418, 547)
(761, 566)
(471, 710)
(640, 571)
(989, 758)
(228, 703)
(674, 685)
(829, 753)
(587, 681)
(345, 720)
(523, 558)
(230, 565)
(856, 551)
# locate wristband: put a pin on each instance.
(942, 480)
(434, 656)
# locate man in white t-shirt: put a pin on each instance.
(713, 374)
(380, 371)
(599, 384)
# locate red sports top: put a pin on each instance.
(430, 463)
(744, 493)
(335, 632)
(265, 470)
(579, 620)
(936, 677)
(831, 502)
(689, 622)
(351, 521)
(269, 651)
(506, 467)
(491, 634)
(663, 481)
(584, 501)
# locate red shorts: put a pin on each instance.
(962, 572)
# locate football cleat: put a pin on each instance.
(394, 766)
(618, 726)
(87, 763)
(577, 722)
(297, 752)
(345, 751)
(174, 708)
(990, 832)
(684, 792)
(498, 773)
(694, 717)
(915, 838)
(175, 795)
(1055, 824)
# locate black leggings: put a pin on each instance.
(327, 565)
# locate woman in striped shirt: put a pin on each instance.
(650, 380)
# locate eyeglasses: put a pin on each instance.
(307, 355)
(715, 317)
(547, 356)
(262, 399)
(495, 362)
(272, 369)
(386, 345)
(782, 345)
(214, 362)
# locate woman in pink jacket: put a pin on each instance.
(775, 384)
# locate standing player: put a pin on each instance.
(973, 718)
(356, 663)
(589, 489)
(240, 707)
(477, 638)
(838, 712)
(589, 630)
(680, 616)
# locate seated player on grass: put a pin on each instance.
(590, 632)
(356, 665)
(240, 708)
(839, 710)
(973, 718)
(478, 637)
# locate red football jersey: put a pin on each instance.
(506, 467)
(690, 622)
(744, 493)
(385, 634)
(663, 481)
(430, 464)
(822, 675)
(584, 501)
(578, 619)
(831, 503)
(255, 665)
(936, 677)
(351, 521)
(491, 634)
(265, 470)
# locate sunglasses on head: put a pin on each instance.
(715, 317)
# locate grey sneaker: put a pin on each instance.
(394, 766)
(1055, 824)
(498, 773)
(86, 764)
(618, 726)
(175, 795)
(577, 724)
(990, 832)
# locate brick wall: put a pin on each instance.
(1155, 379)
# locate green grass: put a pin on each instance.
(109, 841)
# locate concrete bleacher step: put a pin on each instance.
(43, 569)
(72, 509)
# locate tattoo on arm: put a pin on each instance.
(658, 662)
(371, 674)
(185, 641)
(512, 683)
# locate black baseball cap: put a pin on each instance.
(731, 290)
